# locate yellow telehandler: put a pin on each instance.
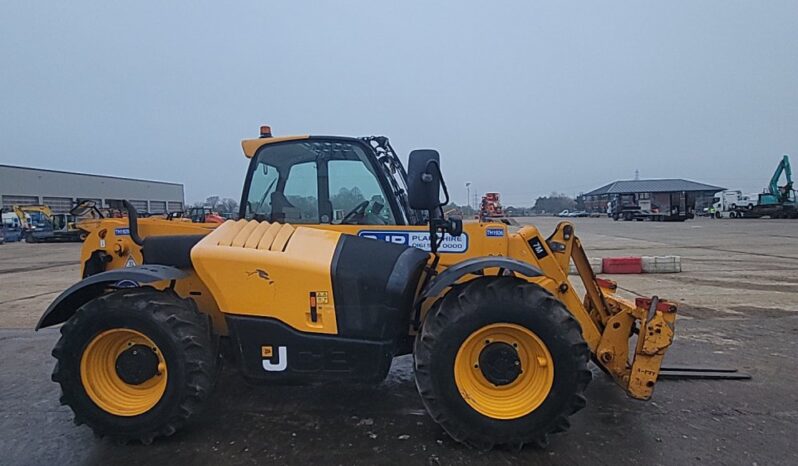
(341, 261)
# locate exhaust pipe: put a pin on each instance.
(133, 222)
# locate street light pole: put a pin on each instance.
(468, 193)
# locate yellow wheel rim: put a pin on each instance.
(102, 383)
(511, 400)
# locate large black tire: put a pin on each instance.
(183, 337)
(506, 300)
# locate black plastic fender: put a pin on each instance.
(449, 276)
(80, 293)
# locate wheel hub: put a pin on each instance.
(499, 363)
(504, 370)
(137, 364)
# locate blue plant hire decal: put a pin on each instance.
(418, 239)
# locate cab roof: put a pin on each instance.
(251, 146)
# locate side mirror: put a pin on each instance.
(424, 179)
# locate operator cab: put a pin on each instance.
(327, 180)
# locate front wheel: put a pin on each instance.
(501, 362)
(135, 364)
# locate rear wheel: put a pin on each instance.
(501, 362)
(135, 364)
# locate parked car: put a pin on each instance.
(2, 234)
(578, 213)
(564, 213)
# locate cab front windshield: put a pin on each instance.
(318, 181)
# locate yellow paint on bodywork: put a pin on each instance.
(270, 282)
(102, 236)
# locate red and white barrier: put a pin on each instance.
(634, 264)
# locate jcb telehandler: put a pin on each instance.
(340, 262)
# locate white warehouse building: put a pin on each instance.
(61, 190)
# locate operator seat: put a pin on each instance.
(282, 209)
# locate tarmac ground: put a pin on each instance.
(738, 307)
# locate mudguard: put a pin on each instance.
(449, 276)
(87, 289)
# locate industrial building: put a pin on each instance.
(667, 197)
(60, 190)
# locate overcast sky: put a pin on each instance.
(519, 97)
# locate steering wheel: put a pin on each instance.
(359, 211)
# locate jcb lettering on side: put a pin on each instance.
(387, 237)
(272, 364)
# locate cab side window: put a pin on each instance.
(352, 184)
(263, 183)
(299, 202)
(287, 193)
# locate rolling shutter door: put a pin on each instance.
(59, 205)
(9, 201)
(140, 206)
(157, 207)
(175, 206)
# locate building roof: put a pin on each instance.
(17, 167)
(652, 186)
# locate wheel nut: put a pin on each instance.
(542, 362)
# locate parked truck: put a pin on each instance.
(11, 226)
(729, 202)
(664, 207)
